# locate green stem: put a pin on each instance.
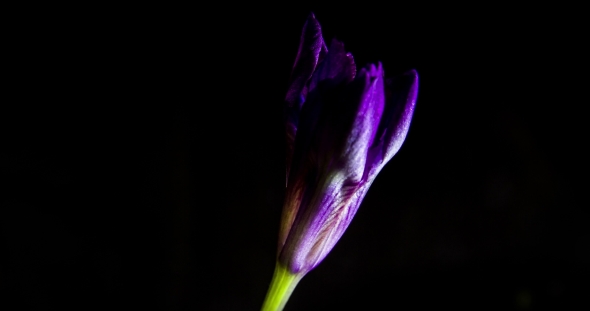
(282, 285)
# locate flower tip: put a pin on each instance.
(312, 25)
(413, 74)
(373, 72)
(380, 69)
(312, 19)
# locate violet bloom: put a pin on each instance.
(342, 128)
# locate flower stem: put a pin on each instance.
(282, 285)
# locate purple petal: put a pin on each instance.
(311, 49)
(366, 123)
(404, 93)
(401, 97)
(338, 66)
(339, 123)
(319, 223)
(338, 220)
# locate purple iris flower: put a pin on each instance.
(342, 127)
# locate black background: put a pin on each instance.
(142, 160)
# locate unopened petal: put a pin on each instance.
(404, 91)
(338, 66)
(401, 93)
(319, 223)
(366, 122)
(311, 49)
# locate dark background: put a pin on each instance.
(141, 159)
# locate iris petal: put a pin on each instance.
(312, 49)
